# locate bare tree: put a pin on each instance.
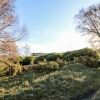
(88, 22)
(9, 22)
(8, 48)
(10, 29)
(27, 50)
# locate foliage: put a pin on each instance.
(15, 60)
(2, 68)
(14, 69)
(86, 56)
(53, 65)
(40, 59)
(53, 57)
(48, 57)
(61, 62)
(10, 66)
(88, 61)
(27, 60)
(47, 66)
(74, 82)
(27, 68)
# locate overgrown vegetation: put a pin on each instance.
(64, 77)
(50, 62)
(27, 60)
(85, 56)
(72, 82)
(73, 75)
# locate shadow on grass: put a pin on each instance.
(41, 95)
(58, 85)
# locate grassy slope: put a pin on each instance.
(75, 82)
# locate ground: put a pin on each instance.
(73, 82)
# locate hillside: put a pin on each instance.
(73, 82)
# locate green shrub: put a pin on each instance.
(39, 59)
(48, 57)
(77, 53)
(53, 57)
(27, 60)
(85, 56)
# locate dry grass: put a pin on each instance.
(69, 83)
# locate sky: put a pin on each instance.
(51, 24)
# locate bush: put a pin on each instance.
(53, 65)
(85, 56)
(48, 57)
(48, 66)
(27, 60)
(39, 59)
(3, 65)
(15, 60)
(8, 67)
(2, 68)
(53, 57)
(91, 61)
(27, 68)
(42, 65)
(61, 62)
(13, 69)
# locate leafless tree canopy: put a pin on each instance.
(8, 21)
(8, 48)
(88, 22)
(10, 30)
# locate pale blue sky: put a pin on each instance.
(51, 24)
